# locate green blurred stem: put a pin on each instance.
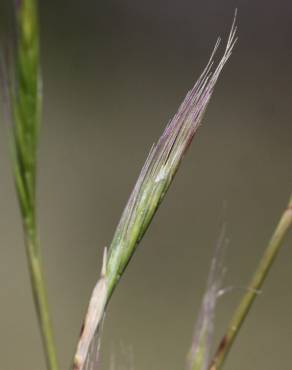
(258, 279)
(26, 104)
(41, 302)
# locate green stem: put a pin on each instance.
(257, 281)
(41, 303)
(26, 105)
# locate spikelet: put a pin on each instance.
(161, 166)
(199, 355)
(25, 103)
(153, 182)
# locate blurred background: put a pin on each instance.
(114, 74)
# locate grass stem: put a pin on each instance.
(25, 90)
(41, 303)
(255, 285)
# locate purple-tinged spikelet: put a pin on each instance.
(199, 356)
(151, 186)
(162, 164)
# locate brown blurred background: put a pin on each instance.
(114, 74)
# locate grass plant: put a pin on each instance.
(164, 159)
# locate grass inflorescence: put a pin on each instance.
(25, 93)
(154, 180)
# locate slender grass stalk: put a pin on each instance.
(25, 104)
(257, 281)
(149, 191)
